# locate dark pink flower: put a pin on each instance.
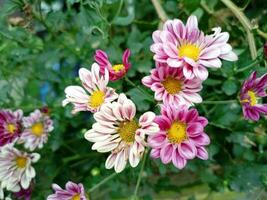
(24, 194)
(252, 89)
(181, 136)
(265, 50)
(116, 71)
(73, 191)
(10, 126)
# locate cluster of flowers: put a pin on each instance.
(182, 53)
(16, 171)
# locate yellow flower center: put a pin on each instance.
(21, 162)
(177, 132)
(117, 68)
(253, 98)
(11, 128)
(76, 197)
(97, 99)
(172, 85)
(127, 130)
(189, 50)
(37, 129)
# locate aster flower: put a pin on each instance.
(181, 136)
(252, 89)
(116, 71)
(16, 171)
(171, 87)
(10, 126)
(73, 191)
(37, 128)
(24, 194)
(187, 47)
(117, 131)
(96, 86)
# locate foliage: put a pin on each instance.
(44, 43)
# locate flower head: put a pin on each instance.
(171, 87)
(252, 89)
(181, 136)
(96, 86)
(10, 126)
(16, 171)
(116, 71)
(37, 128)
(24, 194)
(72, 191)
(117, 131)
(187, 47)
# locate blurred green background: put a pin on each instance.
(44, 43)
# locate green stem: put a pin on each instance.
(262, 34)
(245, 23)
(118, 11)
(102, 182)
(149, 97)
(160, 11)
(248, 67)
(140, 175)
(220, 102)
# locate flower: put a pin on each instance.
(171, 87)
(252, 89)
(24, 194)
(265, 50)
(187, 47)
(116, 71)
(117, 131)
(10, 126)
(16, 171)
(37, 128)
(73, 191)
(96, 85)
(181, 136)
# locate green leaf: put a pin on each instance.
(229, 87)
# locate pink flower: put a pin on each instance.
(96, 86)
(10, 126)
(181, 136)
(187, 47)
(116, 71)
(117, 131)
(171, 87)
(73, 191)
(37, 129)
(252, 89)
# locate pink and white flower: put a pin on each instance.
(171, 87)
(10, 126)
(252, 90)
(117, 131)
(116, 71)
(96, 85)
(73, 191)
(187, 47)
(181, 136)
(37, 128)
(16, 169)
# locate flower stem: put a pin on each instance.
(248, 66)
(140, 175)
(102, 182)
(160, 11)
(149, 97)
(245, 23)
(220, 102)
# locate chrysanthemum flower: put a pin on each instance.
(171, 87)
(181, 136)
(96, 86)
(116, 71)
(24, 194)
(16, 169)
(37, 128)
(117, 130)
(10, 126)
(73, 191)
(252, 89)
(186, 46)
